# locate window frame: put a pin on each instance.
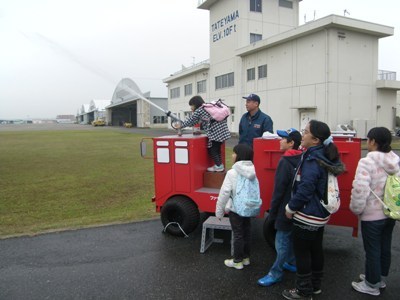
(256, 5)
(175, 92)
(255, 37)
(160, 119)
(203, 85)
(188, 89)
(261, 73)
(252, 72)
(286, 4)
(225, 81)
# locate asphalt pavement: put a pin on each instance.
(139, 261)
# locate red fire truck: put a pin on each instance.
(184, 188)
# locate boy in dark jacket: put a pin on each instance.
(285, 171)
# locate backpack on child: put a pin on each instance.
(247, 201)
(218, 110)
(331, 200)
(391, 197)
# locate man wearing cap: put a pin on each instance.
(290, 142)
(253, 123)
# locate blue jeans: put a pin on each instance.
(284, 253)
(377, 239)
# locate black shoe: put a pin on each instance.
(295, 294)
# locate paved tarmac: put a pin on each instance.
(138, 261)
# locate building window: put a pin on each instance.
(255, 5)
(286, 3)
(251, 74)
(188, 89)
(175, 92)
(160, 119)
(262, 71)
(224, 81)
(255, 37)
(201, 87)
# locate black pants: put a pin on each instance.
(215, 152)
(241, 227)
(307, 247)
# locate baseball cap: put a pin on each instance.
(291, 133)
(252, 97)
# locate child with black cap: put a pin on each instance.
(285, 171)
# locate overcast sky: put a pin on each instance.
(56, 55)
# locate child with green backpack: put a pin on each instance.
(376, 226)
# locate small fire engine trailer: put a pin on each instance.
(184, 187)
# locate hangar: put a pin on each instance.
(83, 114)
(97, 109)
(127, 106)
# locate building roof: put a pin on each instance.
(126, 92)
(85, 109)
(331, 21)
(99, 105)
(201, 66)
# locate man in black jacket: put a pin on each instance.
(254, 122)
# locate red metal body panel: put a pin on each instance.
(266, 158)
(179, 165)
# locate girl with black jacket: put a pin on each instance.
(308, 214)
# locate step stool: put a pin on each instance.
(214, 223)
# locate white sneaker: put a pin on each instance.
(231, 264)
(216, 168)
(362, 287)
(246, 261)
(382, 286)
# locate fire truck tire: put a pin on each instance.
(180, 210)
(269, 232)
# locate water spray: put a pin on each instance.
(176, 123)
(134, 90)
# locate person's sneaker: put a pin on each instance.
(246, 261)
(268, 280)
(317, 291)
(289, 267)
(362, 287)
(216, 168)
(231, 264)
(382, 286)
(294, 294)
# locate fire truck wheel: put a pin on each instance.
(269, 232)
(180, 210)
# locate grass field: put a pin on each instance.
(69, 179)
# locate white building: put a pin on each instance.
(130, 105)
(83, 117)
(326, 69)
(97, 109)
